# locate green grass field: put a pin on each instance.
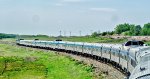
(82, 39)
(148, 42)
(26, 63)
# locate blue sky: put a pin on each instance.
(51, 16)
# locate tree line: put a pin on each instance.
(3, 35)
(127, 30)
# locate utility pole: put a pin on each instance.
(64, 33)
(80, 32)
(60, 32)
(70, 33)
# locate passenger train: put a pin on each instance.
(132, 57)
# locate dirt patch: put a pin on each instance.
(30, 59)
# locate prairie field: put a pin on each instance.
(27, 63)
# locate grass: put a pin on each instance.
(82, 39)
(86, 39)
(148, 43)
(27, 63)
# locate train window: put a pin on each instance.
(95, 50)
(134, 43)
(128, 43)
(113, 53)
(117, 54)
(105, 51)
(133, 63)
(141, 43)
(121, 55)
(58, 40)
(36, 39)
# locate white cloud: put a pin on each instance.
(103, 9)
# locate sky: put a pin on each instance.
(76, 16)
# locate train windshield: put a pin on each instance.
(129, 43)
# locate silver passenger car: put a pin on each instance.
(127, 56)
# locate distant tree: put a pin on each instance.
(3, 35)
(132, 30)
(110, 32)
(146, 29)
(40, 35)
(122, 28)
(95, 34)
(104, 33)
(128, 29)
(137, 30)
(126, 33)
